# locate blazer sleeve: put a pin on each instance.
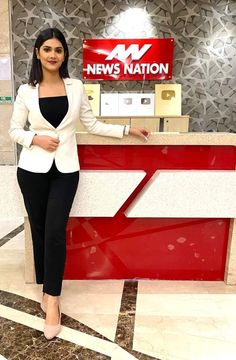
(18, 121)
(93, 125)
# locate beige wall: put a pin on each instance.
(6, 147)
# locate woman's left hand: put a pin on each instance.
(141, 132)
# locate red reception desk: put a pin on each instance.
(175, 223)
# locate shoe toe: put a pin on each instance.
(51, 331)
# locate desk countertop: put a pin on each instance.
(162, 138)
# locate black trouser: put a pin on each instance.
(48, 198)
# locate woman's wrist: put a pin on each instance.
(34, 140)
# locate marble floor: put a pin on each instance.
(166, 320)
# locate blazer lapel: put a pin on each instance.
(69, 93)
(35, 100)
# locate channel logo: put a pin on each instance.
(119, 52)
(167, 94)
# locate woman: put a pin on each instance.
(48, 169)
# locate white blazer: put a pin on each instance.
(26, 107)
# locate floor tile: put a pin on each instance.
(7, 225)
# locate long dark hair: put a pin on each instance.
(36, 73)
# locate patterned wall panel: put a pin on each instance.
(205, 46)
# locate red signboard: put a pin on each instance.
(127, 59)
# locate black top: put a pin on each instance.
(54, 108)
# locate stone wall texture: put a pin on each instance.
(204, 55)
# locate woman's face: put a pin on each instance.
(51, 55)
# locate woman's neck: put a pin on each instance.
(51, 78)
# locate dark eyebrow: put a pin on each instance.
(49, 47)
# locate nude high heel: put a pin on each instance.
(50, 331)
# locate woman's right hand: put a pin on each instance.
(46, 142)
